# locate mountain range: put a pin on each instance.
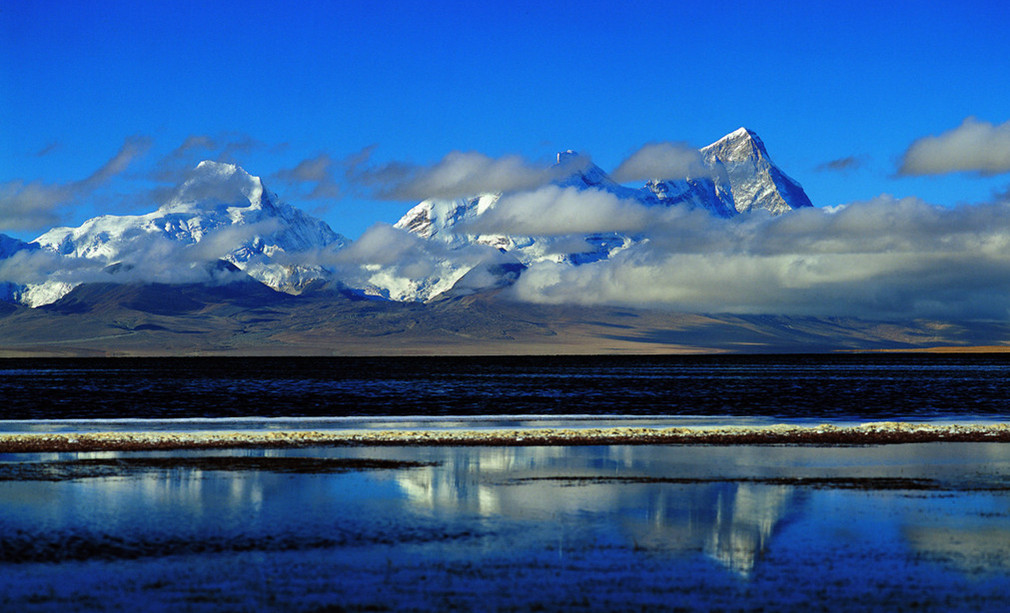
(223, 266)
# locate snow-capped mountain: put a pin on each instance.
(700, 192)
(739, 178)
(745, 172)
(220, 212)
(442, 219)
(447, 221)
(450, 247)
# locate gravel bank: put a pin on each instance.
(864, 434)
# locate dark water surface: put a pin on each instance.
(834, 387)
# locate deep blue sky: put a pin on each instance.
(274, 84)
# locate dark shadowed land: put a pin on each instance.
(145, 320)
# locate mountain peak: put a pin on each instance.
(740, 132)
(577, 170)
(219, 167)
(224, 171)
(738, 144)
(565, 157)
(219, 183)
(218, 202)
(750, 176)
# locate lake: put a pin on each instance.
(819, 387)
(901, 527)
(895, 527)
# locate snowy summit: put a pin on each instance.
(220, 212)
(578, 215)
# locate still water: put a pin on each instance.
(828, 387)
(913, 526)
(920, 526)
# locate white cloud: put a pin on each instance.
(399, 265)
(886, 258)
(457, 175)
(30, 206)
(554, 211)
(133, 147)
(974, 146)
(150, 258)
(661, 161)
(39, 266)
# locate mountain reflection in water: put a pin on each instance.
(518, 527)
(732, 522)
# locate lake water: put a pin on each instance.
(895, 527)
(829, 387)
(904, 527)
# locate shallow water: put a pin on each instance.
(922, 526)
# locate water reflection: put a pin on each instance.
(940, 504)
(731, 522)
(470, 480)
(749, 512)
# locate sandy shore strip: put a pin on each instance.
(876, 433)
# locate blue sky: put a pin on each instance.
(100, 101)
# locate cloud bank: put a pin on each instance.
(457, 175)
(885, 258)
(974, 146)
(393, 263)
(661, 161)
(556, 211)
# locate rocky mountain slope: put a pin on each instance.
(746, 174)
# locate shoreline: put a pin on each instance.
(875, 433)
